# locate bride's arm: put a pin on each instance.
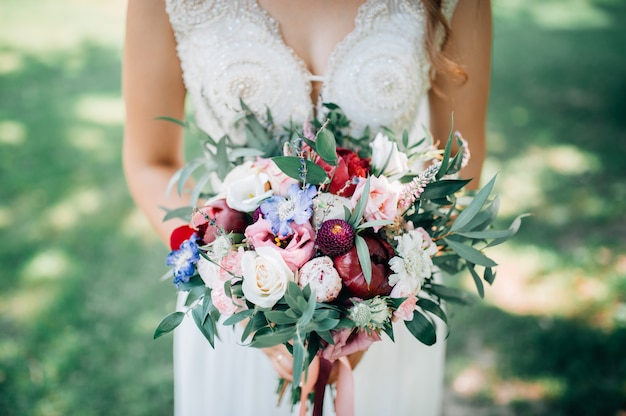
(152, 87)
(470, 46)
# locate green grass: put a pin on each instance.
(79, 290)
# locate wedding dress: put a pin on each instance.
(379, 75)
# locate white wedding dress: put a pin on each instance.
(231, 49)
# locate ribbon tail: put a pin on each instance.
(344, 402)
(320, 386)
(309, 384)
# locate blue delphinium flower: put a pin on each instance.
(184, 260)
(281, 211)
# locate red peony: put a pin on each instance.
(349, 269)
(350, 165)
(215, 216)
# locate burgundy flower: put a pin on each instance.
(351, 274)
(215, 216)
(350, 165)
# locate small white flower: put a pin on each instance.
(387, 156)
(413, 263)
(208, 271)
(220, 247)
(265, 276)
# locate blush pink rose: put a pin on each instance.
(299, 249)
(279, 181)
(231, 263)
(406, 309)
(348, 341)
(382, 203)
(216, 216)
(222, 302)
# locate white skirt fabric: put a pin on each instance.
(401, 378)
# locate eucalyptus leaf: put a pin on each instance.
(308, 312)
(280, 318)
(451, 294)
(326, 147)
(432, 307)
(291, 166)
(168, 324)
(489, 275)
(374, 223)
(443, 188)
(513, 228)
(197, 189)
(470, 253)
(363, 254)
(479, 283)
(487, 235)
(207, 328)
(183, 213)
(357, 213)
(473, 208)
(238, 317)
(269, 339)
(173, 120)
(422, 328)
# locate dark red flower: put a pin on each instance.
(216, 216)
(350, 165)
(351, 274)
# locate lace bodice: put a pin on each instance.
(231, 49)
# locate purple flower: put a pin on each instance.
(184, 260)
(281, 211)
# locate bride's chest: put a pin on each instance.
(376, 71)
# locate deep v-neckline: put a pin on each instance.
(310, 78)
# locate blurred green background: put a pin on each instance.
(79, 289)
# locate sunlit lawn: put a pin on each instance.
(79, 290)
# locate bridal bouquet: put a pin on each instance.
(318, 240)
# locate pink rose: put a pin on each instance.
(382, 203)
(217, 215)
(298, 250)
(406, 309)
(279, 181)
(223, 303)
(231, 263)
(349, 341)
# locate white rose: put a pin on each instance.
(321, 275)
(265, 276)
(385, 154)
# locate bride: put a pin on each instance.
(394, 63)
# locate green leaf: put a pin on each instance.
(181, 176)
(485, 235)
(422, 328)
(513, 228)
(375, 223)
(168, 324)
(265, 339)
(473, 208)
(238, 317)
(479, 283)
(357, 213)
(308, 311)
(364, 257)
(432, 307)
(291, 166)
(441, 189)
(256, 323)
(489, 275)
(207, 328)
(221, 158)
(451, 294)
(326, 147)
(198, 188)
(183, 213)
(485, 217)
(470, 253)
(299, 356)
(280, 318)
(194, 294)
(244, 152)
(445, 161)
(173, 120)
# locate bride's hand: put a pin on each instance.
(281, 360)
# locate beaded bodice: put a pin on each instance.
(232, 49)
